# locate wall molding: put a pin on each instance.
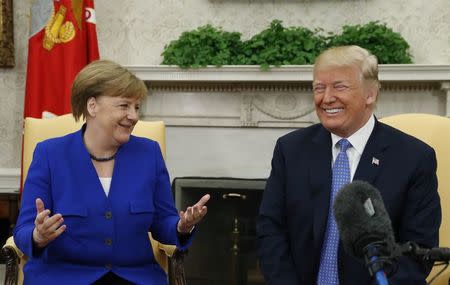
(9, 180)
(246, 96)
(287, 73)
(237, 78)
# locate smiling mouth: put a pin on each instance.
(126, 126)
(333, 111)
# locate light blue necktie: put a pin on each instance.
(328, 270)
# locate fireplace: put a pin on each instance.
(224, 248)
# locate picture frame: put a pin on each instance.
(6, 34)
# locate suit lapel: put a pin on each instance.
(372, 157)
(368, 168)
(320, 183)
(85, 170)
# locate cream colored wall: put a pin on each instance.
(134, 32)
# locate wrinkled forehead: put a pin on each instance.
(337, 73)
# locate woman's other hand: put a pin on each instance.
(46, 228)
(192, 215)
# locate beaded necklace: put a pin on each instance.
(102, 159)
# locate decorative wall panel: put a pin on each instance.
(135, 32)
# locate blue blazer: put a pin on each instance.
(294, 210)
(103, 233)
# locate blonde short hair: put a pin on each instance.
(347, 56)
(103, 78)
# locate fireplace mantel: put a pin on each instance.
(246, 96)
(288, 73)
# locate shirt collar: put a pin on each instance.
(360, 137)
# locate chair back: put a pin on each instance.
(37, 130)
(435, 131)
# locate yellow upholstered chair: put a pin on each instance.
(435, 131)
(37, 130)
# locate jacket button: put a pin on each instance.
(108, 215)
(108, 241)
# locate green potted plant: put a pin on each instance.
(388, 46)
(278, 45)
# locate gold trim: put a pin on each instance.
(57, 31)
(77, 8)
(6, 34)
(67, 32)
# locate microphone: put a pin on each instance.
(365, 227)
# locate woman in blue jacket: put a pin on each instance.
(90, 197)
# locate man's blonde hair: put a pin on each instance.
(103, 78)
(350, 56)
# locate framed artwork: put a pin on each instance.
(6, 34)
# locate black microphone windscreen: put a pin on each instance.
(361, 218)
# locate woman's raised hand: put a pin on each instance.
(192, 215)
(46, 228)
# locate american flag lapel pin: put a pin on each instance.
(375, 161)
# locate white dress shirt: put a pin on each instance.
(358, 141)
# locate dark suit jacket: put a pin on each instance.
(294, 210)
(103, 233)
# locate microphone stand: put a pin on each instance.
(427, 254)
(375, 263)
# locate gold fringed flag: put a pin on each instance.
(62, 41)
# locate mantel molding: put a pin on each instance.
(246, 96)
(289, 73)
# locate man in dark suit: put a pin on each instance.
(294, 223)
